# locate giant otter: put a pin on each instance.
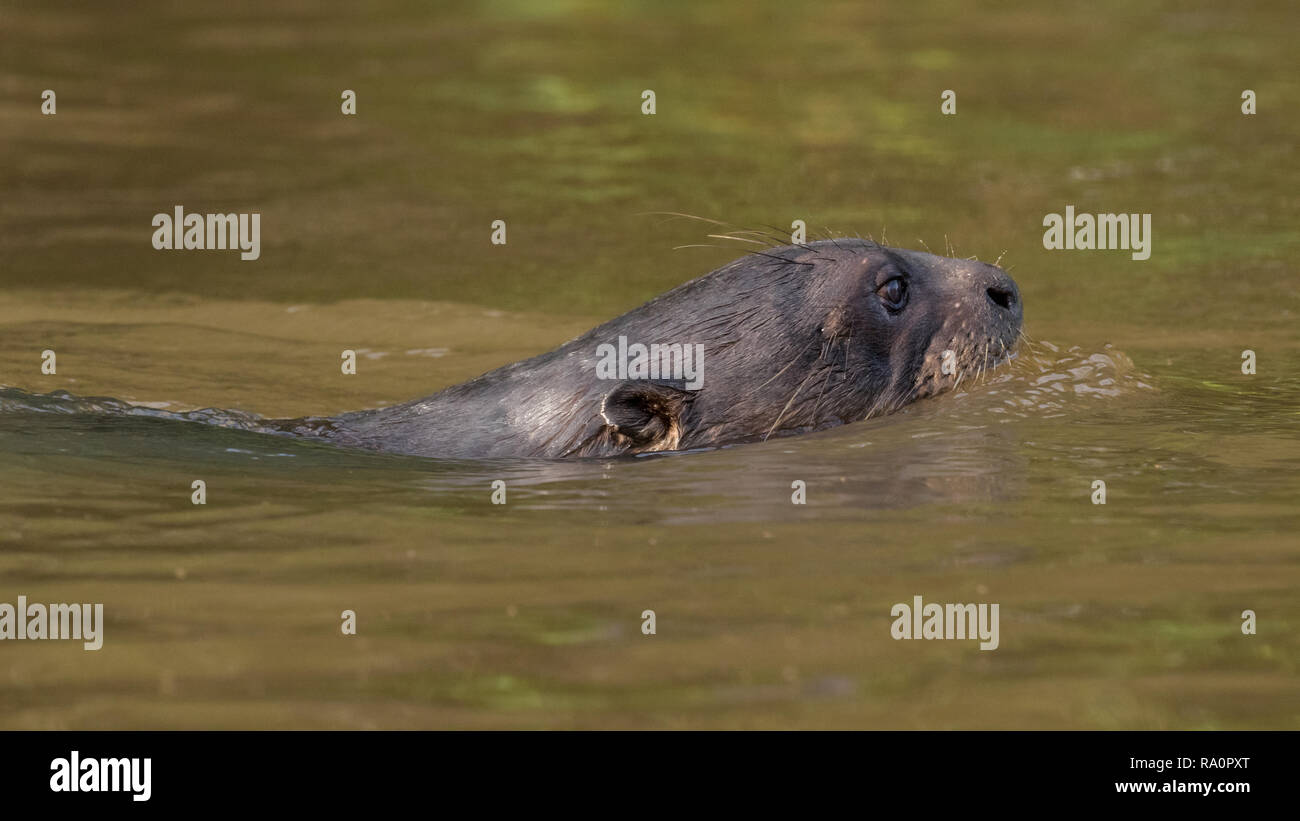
(795, 339)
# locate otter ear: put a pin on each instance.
(648, 414)
(640, 417)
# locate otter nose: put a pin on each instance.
(1002, 296)
(1003, 293)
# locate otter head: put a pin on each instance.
(807, 337)
(938, 320)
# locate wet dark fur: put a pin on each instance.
(795, 339)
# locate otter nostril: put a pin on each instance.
(1002, 297)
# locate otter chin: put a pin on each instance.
(780, 342)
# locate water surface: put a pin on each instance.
(375, 234)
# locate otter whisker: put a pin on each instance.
(680, 215)
(777, 238)
(830, 370)
(794, 396)
(778, 232)
(876, 405)
(869, 239)
(736, 239)
(820, 396)
(1032, 344)
(764, 234)
(831, 239)
(786, 260)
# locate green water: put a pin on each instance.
(375, 237)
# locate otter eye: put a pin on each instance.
(893, 293)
